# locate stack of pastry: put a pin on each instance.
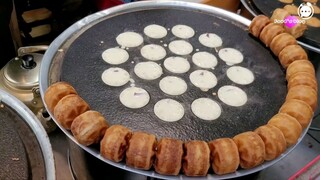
(301, 100)
(169, 156)
(73, 113)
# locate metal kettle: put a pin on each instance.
(20, 77)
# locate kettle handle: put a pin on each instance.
(31, 49)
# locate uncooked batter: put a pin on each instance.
(115, 76)
(134, 97)
(169, 110)
(173, 85)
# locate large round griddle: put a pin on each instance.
(75, 57)
(311, 35)
(86, 50)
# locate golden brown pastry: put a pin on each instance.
(312, 1)
(299, 110)
(196, 160)
(316, 9)
(303, 78)
(68, 108)
(286, 1)
(281, 41)
(257, 24)
(269, 32)
(224, 156)
(168, 156)
(251, 149)
(279, 14)
(89, 127)
(304, 93)
(141, 151)
(274, 141)
(297, 30)
(291, 53)
(314, 22)
(56, 92)
(291, 9)
(115, 142)
(299, 66)
(288, 125)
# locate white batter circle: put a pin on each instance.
(180, 47)
(182, 31)
(232, 96)
(129, 39)
(155, 31)
(169, 110)
(176, 64)
(210, 40)
(173, 85)
(203, 79)
(153, 52)
(231, 56)
(206, 109)
(148, 70)
(115, 76)
(115, 56)
(134, 97)
(240, 75)
(204, 60)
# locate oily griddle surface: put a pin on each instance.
(83, 65)
(311, 35)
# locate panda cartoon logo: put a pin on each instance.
(305, 10)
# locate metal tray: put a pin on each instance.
(68, 55)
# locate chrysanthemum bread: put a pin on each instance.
(299, 110)
(274, 141)
(224, 156)
(290, 54)
(56, 92)
(196, 159)
(288, 125)
(89, 127)
(269, 32)
(304, 93)
(68, 108)
(169, 156)
(141, 151)
(302, 65)
(115, 142)
(251, 149)
(257, 24)
(281, 41)
(303, 78)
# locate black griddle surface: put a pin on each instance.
(83, 65)
(13, 158)
(311, 36)
(21, 156)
